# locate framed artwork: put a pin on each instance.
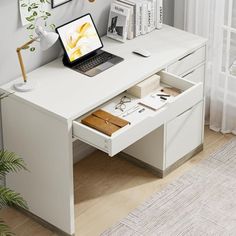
(57, 3)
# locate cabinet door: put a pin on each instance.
(183, 134)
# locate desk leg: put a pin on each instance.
(44, 142)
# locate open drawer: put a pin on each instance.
(141, 123)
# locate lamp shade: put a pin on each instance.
(47, 39)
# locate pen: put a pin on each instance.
(163, 98)
(163, 95)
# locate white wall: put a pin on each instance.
(179, 13)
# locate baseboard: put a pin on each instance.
(154, 170)
(43, 222)
(158, 172)
(183, 160)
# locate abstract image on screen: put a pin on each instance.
(79, 38)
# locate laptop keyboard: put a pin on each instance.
(94, 61)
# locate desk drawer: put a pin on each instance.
(141, 123)
(196, 75)
(188, 62)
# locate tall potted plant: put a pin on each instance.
(9, 162)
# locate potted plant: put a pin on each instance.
(9, 162)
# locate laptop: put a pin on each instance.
(83, 47)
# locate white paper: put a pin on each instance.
(154, 102)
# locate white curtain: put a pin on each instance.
(216, 20)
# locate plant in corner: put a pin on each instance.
(9, 162)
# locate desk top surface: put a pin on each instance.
(68, 94)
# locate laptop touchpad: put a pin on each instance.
(104, 66)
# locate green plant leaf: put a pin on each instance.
(47, 13)
(4, 229)
(34, 5)
(10, 162)
(31, 27)
(35, 13)
(52, 26)
(32, 49)
(11, 198)
(23, 5)
(30, 18)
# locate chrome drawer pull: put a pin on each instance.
(186, 56)
(191, 72)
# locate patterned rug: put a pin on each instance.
(201, 202)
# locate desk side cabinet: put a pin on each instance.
(180, 138)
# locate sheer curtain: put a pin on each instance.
(216, 20)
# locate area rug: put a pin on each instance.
(201, 202)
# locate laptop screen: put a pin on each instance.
(79, 38)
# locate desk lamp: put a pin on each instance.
(46, 40)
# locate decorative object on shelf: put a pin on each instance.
(57, 3)
(31, 11)
(46, 40)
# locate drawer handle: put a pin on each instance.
(191, 72)
(186, 56)
(184, 112)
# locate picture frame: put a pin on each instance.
(57, 3)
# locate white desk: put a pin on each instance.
(38, 125)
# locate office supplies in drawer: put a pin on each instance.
(188, 62)
(145, 87)
(104, 122)
(142, 119)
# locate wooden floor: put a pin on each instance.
(107, 189)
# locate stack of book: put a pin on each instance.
(131, 18)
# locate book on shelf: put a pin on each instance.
(138, 17)
(152, 14)
(144, 19)
(159, 14)
(137, 7)
(118, 22)
(131, 18)
(131, 22)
